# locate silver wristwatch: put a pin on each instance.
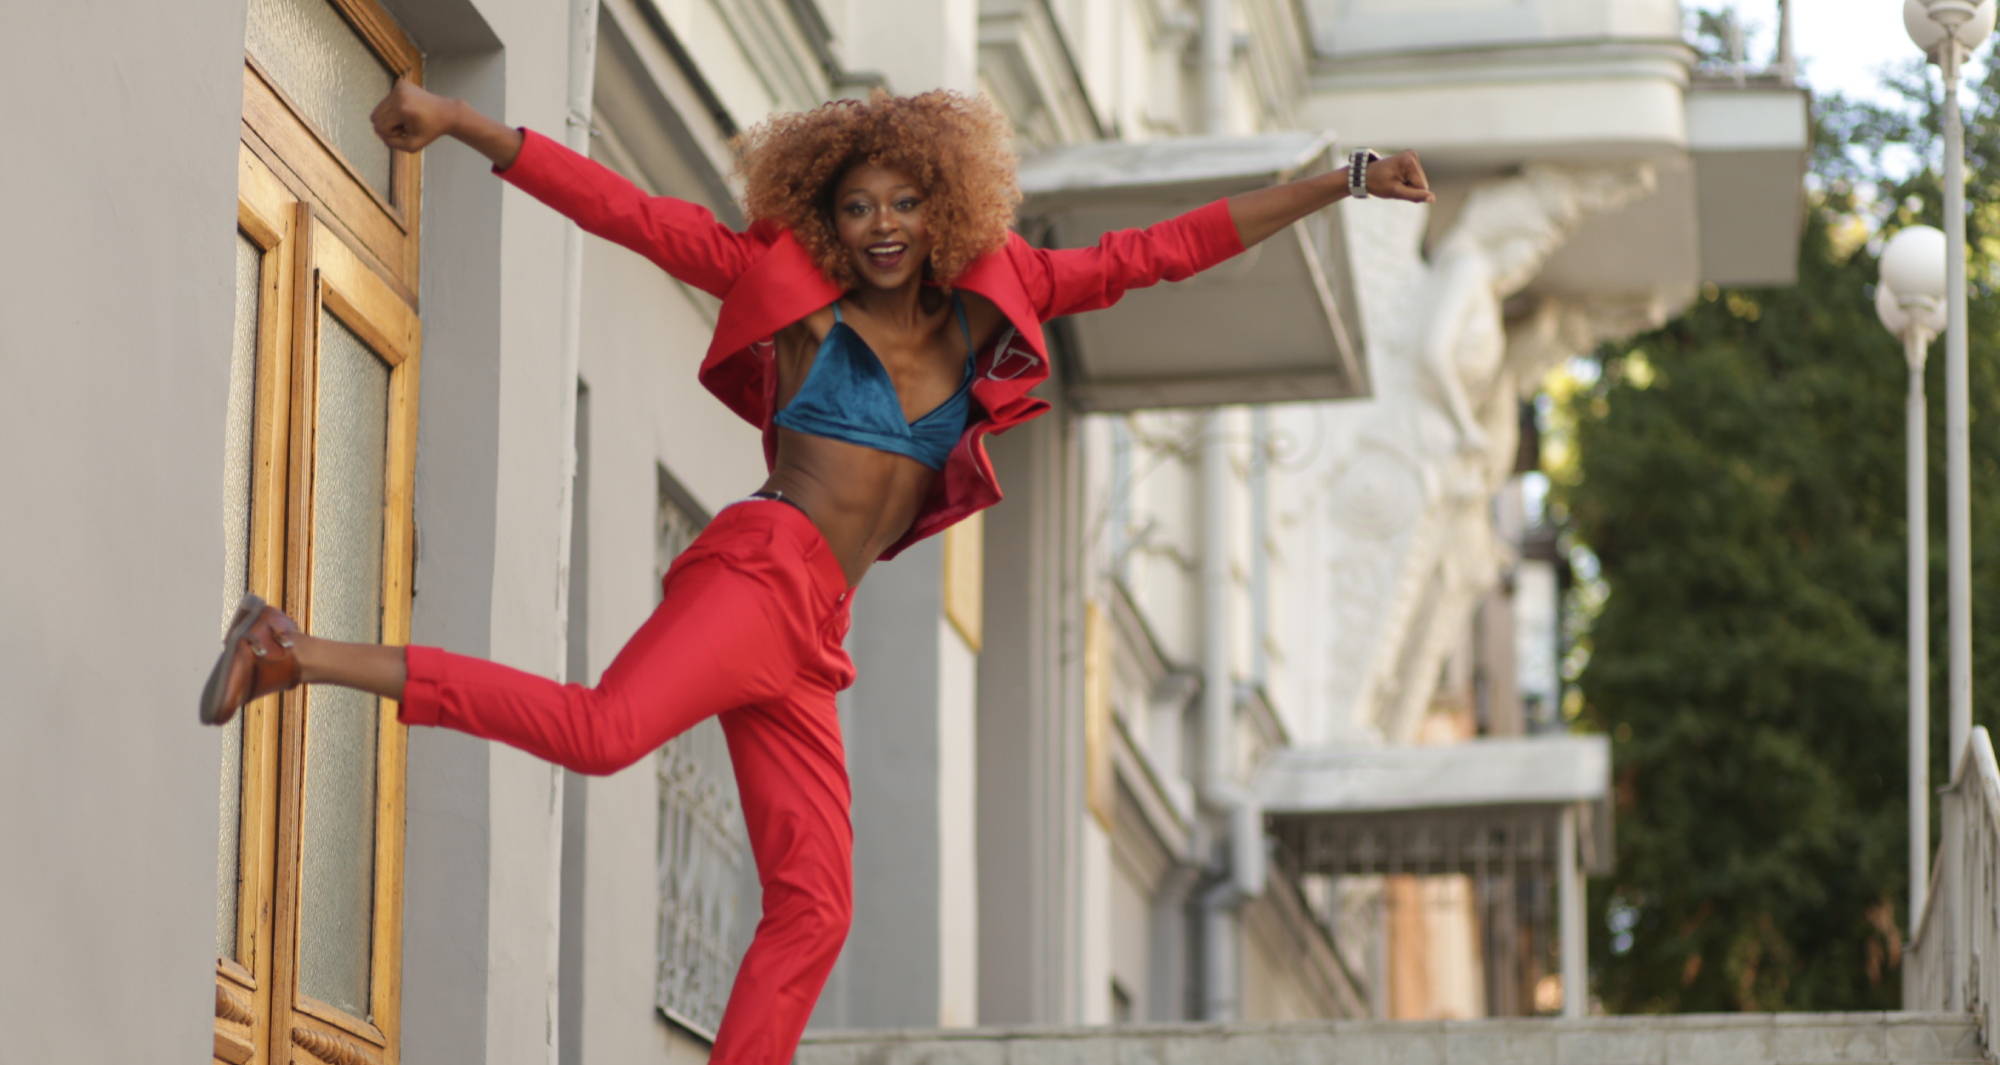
(1357, 171)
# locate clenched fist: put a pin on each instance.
(1399, 177)
(411, 117)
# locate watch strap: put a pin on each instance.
(1357, 171)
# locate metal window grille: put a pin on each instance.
(709, 897)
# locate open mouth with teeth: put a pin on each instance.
(887, 255)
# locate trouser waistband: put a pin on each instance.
(774, 494)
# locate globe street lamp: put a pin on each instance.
(1910, 301)
(1948, 31)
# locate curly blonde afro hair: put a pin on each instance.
(957, 146)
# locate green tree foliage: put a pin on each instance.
(1738, 485)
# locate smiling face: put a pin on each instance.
(878, 213)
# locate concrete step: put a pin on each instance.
(1686, 1039)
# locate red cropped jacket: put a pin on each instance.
(766, 281)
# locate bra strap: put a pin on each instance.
(836, 311)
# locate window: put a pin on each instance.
(318, 475)
(709, 895)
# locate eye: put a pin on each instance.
(908, 203)
(856, 209)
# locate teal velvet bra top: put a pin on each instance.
(847, 395)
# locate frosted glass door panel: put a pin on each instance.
(238, 440)
(329, 72)
(337, 865)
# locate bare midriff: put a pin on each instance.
(864, 500)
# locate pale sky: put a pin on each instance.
(1842, 44)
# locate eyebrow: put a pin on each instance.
(845, 193)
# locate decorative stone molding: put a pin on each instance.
(1026, 62)
(1505, 233)
(1412, 546)
(1558, 329)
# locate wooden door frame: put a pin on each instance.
(346, 288)
(271, 217)
(331, 242)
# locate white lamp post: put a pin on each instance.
(1910, 301)
(1948, 31)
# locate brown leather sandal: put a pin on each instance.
(256, 660)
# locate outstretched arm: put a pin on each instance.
(411, 117)
(682, 238)
(1070, 280)
(1261, 213)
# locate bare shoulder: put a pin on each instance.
(794, 346)
(798, 340)
(813, 326)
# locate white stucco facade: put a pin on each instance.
(1046, 832)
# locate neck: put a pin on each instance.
(902, 304)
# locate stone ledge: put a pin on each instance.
(1691, 1039)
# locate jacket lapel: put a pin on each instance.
(1017, 360)
(784, 285)
(781, 287)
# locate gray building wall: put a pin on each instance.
(448, 836)
(479, 891)
(114, 338)
(116, 305)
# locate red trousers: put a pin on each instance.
(750, 628)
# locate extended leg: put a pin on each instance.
(369, 667)
(791, 773)
(709, 646)
(726, 634)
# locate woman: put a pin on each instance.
(878, 319)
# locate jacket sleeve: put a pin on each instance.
(683, 238)
(1070, 280)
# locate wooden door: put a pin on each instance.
(318, 519)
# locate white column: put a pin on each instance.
(1569, 903)
(1958, 494)
(1787, 62)
(579, 97)
(891, 971)
(1957, 437)
(1029, 732)
(1915, 341)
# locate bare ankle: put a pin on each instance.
(311, 657)
(363, 666)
